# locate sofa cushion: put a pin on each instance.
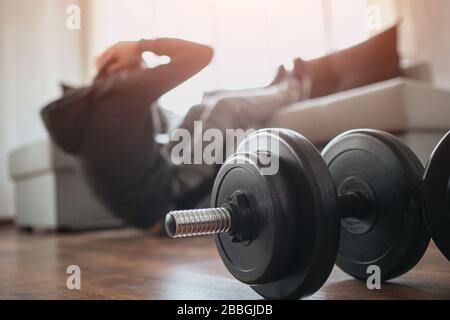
(377, 106)
(395, 105)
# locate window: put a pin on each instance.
(250, 37)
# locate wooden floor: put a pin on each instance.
(126, 264)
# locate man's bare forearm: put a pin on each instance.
(186, 59)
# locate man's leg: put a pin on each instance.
(232, 112)
(254, 108)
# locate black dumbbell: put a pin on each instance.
(437, 190)
(360, 203)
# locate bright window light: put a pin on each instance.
(251, 38)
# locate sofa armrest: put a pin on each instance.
(37, 158)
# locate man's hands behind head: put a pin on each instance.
(123, 56)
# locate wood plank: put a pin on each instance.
(126, 264)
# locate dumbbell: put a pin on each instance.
(358, 204)
(437, 191)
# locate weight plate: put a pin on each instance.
(392, 234)
(297, 223)
(437, 191)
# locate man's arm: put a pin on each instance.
(186, 59)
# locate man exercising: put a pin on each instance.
(113, 125)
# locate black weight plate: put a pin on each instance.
(437, 190)
(392, 234)
(297, 233)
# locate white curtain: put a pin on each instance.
(250, 37)
(36, 52)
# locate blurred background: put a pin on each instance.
(39, 48)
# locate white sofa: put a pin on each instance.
(51, 192)
(415, 110)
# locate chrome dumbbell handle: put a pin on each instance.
(200, 222)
